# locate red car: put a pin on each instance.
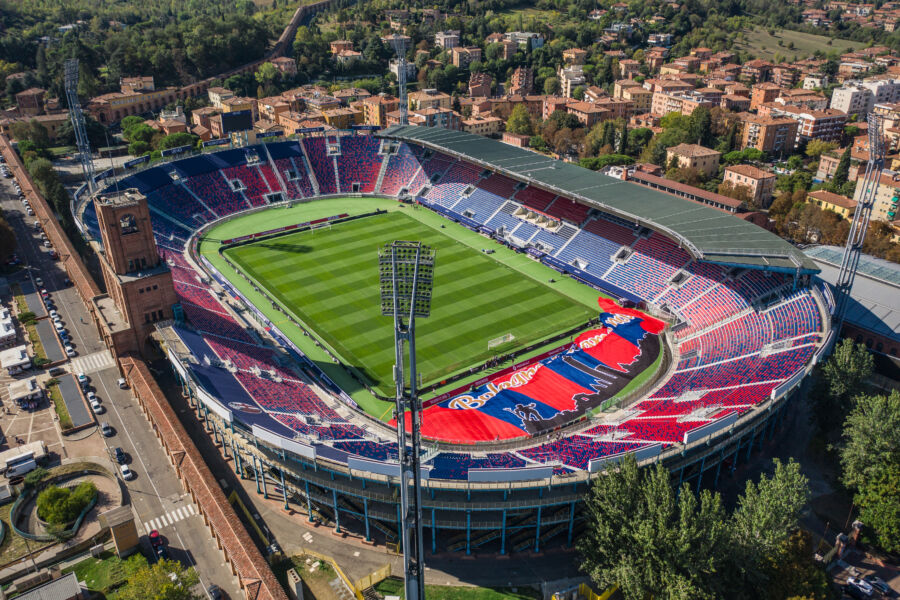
(155, 539)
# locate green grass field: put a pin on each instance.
(328, 279)
(762, 45)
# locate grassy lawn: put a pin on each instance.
(316, 581)
(759, 43)
(36, 341)
(20, 297)
(394, 587)
(65, 421)
(329, 280)
(106, 572)
(13, 546)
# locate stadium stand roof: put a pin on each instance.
(708, 234)
(875, 297)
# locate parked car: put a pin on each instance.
(92, 397)
(123, 385)
(82, 378)
(879, 584)
(119, 455)
(58, 325)
(53, 314)
(155, 538)
(859, 588)
(127, 473)
(97, 407)
(39, 282)
(70, 351)
(214, 592)
(105, 429)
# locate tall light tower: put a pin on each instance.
(399, 43)
(81, 139)
(406, 271)
(860, 224)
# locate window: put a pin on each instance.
(155, 287)
(130, 266)
(127, 224)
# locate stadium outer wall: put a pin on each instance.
(501, 517)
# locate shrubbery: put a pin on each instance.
(60, 506)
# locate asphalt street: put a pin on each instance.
(155, 493)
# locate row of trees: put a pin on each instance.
(143, 139)
(655, 541)
(864, 429)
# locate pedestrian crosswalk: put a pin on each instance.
(170, 518)
(93, 362)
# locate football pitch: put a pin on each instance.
(328, 279)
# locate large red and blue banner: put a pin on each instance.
(557, 390)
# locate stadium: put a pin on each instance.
(577, 318)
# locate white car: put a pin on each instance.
(92, 397)
(56, 319)
(82, 379)
(47, 243)
(53, 314)
(60, 328)
(70, 351)
(860, 584)
(97, 407)
(39, 282)
(127, 474)
(30, 213)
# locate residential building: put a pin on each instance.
(394, 67)
(462, 57)
(756, 70)
(286, 65)
(829, 161)
(482, 125)
(693, 156)
(338, 46)
(684, 103)
(345, 58)
(776, 135)
(446, 39)
(588, 113)
(826, 125)
(760, 183)
(343, 118)
(480, 85)
(508, 49)
(786, 77)
(815, 81)
(885, 207)
(860, 98)
(761, 93)
(522, 81)
(526, 38)
(735, 103)
(376, 108)
(217, 95)
(574, 56)
(834, 202)
(569, 79)
(629, 68)
(641, 99)
(30, 102)
(551, 104)
(143, 83)
(429, 98)
(430, 117)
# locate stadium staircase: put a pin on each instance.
(309, 170)
(381, 172)
(274, 167)
(337, 173)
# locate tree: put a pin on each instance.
(842, 171)
(175, 140)
(130, 121)
(816, 148)
(623, 138)
(770, 509)
(879, 506)
(164, 580)
(60, 506)
(551, 86)
(519, 121)
(871, 437)
(700, 131)
(648, 541)
(846, 370)
(792, 573)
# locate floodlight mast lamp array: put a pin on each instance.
(406, 271)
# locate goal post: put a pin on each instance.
(503, 339)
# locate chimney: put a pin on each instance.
(624, 172)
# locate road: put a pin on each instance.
(156, 495)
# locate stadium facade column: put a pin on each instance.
(537, 531)
(309, 504)
(255, 474)
(503, 533)
(737, 451)
(337, 514)
(571, 524)
(366, 517)
(680, 478)
(700, 474)
(433, 530)
(262, 477)
(719, 467)
(750, 445)
(468, 531)
(235, 450)
(283, 488)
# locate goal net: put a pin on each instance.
(503, 339)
